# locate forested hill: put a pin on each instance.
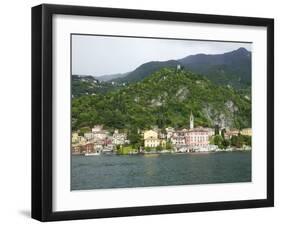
(231, 68)
(164, 99)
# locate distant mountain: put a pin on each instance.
(165, 98)
(145, 70)
(88, 85)
(105, 78)
(231, 68)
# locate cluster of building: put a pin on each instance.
(182, 140)
(235, 132)
(98, 140)
(194, 139)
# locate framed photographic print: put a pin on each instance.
(145, 112)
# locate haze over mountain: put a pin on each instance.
(105, 78)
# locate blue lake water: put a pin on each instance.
(114, 171)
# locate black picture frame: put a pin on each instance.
(42, 111)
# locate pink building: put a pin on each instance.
(197, 137)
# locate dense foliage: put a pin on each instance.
(235, 141)
(164, 99)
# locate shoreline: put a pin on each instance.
(165, 153)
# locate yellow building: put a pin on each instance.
(75, 138)
(246, 132)
(150, 134)
(151, 142)
(150, 138)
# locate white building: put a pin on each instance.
(119, 138)
(89, 136)
(97, 128)
(169, 132)
(178, 140)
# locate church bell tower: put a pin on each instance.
(191, 121)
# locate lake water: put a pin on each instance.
(114, 171)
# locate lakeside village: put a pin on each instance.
(170, 140)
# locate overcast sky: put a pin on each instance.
(101, 55)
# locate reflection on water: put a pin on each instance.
(150, 164)
(113, 171)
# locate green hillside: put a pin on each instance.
(164, 99)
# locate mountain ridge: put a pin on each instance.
(230, 68)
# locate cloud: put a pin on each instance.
(101, 55)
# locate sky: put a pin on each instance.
(104, 55)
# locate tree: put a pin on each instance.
(222, 133)
(168, 145)
(240, 141)
(225, 143)
(217, 131)
(237, 141)
(135, 138)
(218, 140)
(247, 140)
(159, 148)
(147, 149)
(233, 141)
